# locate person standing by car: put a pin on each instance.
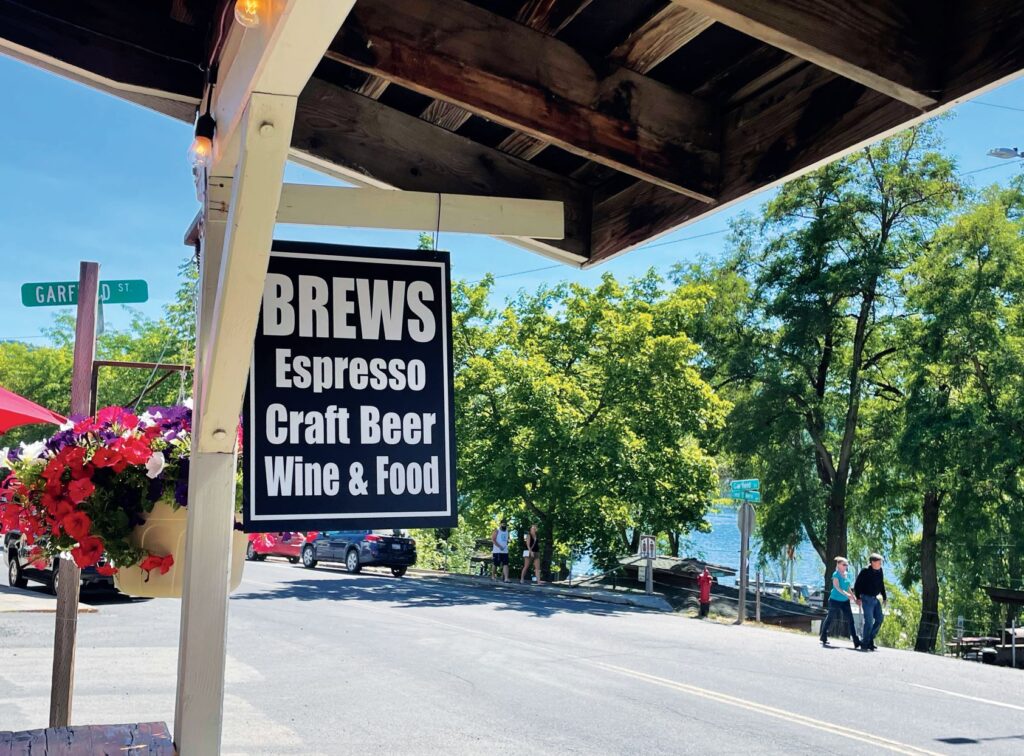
(839, 601)
(870, 592)
(499, 550)
(531, 553)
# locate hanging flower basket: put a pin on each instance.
(115, 485)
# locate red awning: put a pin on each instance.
(17, 410)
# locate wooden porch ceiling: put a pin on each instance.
(640, 116)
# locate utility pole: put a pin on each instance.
(67, 573)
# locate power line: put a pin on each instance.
(996, 105)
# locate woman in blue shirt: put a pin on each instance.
(839, 602)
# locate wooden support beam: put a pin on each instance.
(445, 115)
(987, 45)
(277, 57)
(666, 32)
(463, 54)
(383, 147)
(415, 211)
(877, 43)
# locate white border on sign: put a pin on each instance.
(446, 319)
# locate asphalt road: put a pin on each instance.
(323, 662)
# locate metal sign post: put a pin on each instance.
(745, 522)
(68, 574)
(649, 550)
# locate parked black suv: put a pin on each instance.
(20, 570)
(361, 548)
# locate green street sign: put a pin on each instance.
(65, 293)
(745, 485)
(746, 495)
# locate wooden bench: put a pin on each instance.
(92, 740)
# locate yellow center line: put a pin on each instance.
(771, 711)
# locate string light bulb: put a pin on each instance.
(200, 154)
(247, 12)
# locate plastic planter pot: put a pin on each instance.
(163, 532)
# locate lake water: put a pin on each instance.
(722, 546)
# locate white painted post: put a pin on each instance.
(231, 283)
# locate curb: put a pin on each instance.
(654, 603)
(25, 602)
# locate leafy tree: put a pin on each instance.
(964, 420)
(581, 410)
(807, 351)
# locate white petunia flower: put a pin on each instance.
(188, 403)
(31, 451)
(146, 419)
(155, 465)
(67, 425)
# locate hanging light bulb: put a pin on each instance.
(200, 154)
(247, 12)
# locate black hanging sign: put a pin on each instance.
(349, 414)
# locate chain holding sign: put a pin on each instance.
(349, 413)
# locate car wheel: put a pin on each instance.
(293, 560)
(14, 577)
(54, 583)
(250, 552)
(308, 557)
(261, 557)
(352, 561)
(398, 571)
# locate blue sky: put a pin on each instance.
(86, 176)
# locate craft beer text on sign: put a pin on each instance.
(349, 418)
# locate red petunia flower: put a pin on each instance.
(62, 509)
(80, 490)
(54, 470)
(88, 552)
(135, 450)
(109, 415)
(106, 569)
(72, 456)
(128, 421)
(105, 457)
(77, 525)
(82, 472)
(154, 562)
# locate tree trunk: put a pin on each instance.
(547, 548)
(835, 532)
(928, 628)
(673, 543)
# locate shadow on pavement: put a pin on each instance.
(413, 593)
(977, 741)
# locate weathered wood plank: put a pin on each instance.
(663, 34)
(522, 146)
(373, 87)
(878, 43)
(988, 49)
(445, 115)
(393, 149)
(792, 127)
(473, 58)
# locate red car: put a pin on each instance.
(286, 544)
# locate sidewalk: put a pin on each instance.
(25, 600)
(561, 590)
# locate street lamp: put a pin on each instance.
(1006, 153)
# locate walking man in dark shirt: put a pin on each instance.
(870, 592)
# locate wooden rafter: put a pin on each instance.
(470, 57)
(373, 87)
(550, 16)
(874, 42)
(384, 147)
(662, 35)
(445, 115)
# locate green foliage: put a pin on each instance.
(581, 410)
